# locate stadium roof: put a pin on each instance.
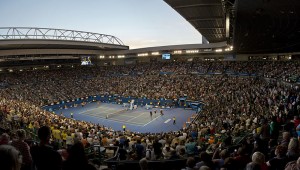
(207, 16)
(49, 38)
(254, 26)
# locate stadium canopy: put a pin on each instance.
(250, 26)
(207, 16)
(50, 38)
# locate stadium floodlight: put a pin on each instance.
(101, 56)
(228, 49)
(155, 53)
(192, 51)
(121, 56)
(177, 52)
(142, 54)
(218, 50)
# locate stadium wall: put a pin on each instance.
(115, 99)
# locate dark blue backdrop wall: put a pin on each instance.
(115, 99)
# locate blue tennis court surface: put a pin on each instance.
(138, 120)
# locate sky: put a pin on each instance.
(138, 23)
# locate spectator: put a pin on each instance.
(259, 158)
(4, 139)
(298, 131)
(182, 153)
(44, 157)
(274, 128)
(293, 165)
(285, 139)
(242, 159)
(167, 151)
(122, 152)
(10, 158)
(278, 162)
(143, 164)
(190, 164)
(140, 150)
(205, 161)
(220, 162)
(293, 149)
(174, 155)
(150, 155)
(77, 159)
(180, 146)
(157, 146)
(24, 149)
(253, 166)
(229, 164)
(190, 147)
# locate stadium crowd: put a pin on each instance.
(261, 110)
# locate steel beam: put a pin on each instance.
(209, 28)
(211, 34)
(205, 19)
(198, 5)
(7, 33)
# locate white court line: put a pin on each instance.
(126, 116)
(104, 115)
(151, 121)
(128, 121)
(167, 121)
(136, 116)
(118, 121)
(87, 110)
(101, 108)
(108, 109)
(98, 115)
(120, 114)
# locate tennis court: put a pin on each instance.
(114, 115)
(139, 116)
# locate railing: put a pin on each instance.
(12, 33)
